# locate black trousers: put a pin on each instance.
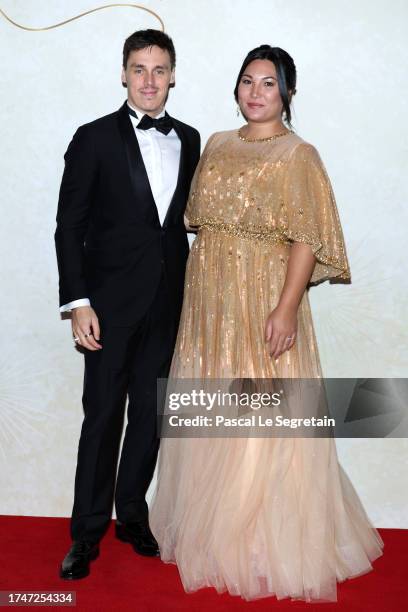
(131, 360)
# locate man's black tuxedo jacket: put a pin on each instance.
(110, 245)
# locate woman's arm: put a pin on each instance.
(282, 322)
(189, 228)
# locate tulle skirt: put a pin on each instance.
(261, 516)
(253, 516)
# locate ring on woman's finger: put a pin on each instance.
(87, 335)
(76, 339)
(290, 337)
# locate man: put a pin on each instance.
(121, 249)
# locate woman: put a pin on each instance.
(259, 516)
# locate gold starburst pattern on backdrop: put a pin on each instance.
(364, 323)
(24, 399)
(94, 10)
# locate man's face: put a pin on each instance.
(148, 76)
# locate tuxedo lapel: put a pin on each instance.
(142, 191)
(181, 179)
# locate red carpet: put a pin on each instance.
(32, 548)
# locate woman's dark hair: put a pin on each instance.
(285, 70)
(147, 38)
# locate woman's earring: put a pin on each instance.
(238, 110)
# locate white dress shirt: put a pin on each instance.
(161, 157)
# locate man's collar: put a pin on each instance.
(140, 113)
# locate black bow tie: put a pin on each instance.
(163, 125)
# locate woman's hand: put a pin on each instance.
(281, 330)
(189, 228)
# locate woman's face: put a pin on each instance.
(258, 92)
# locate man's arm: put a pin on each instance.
(74, 205)
(75, 200)
(197, 147)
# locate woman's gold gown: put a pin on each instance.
(257, 516)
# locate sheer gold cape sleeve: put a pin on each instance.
(190, 212)
(310, 213)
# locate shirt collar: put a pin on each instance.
(141, 114)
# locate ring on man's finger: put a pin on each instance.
(87, 335)
(76, 339)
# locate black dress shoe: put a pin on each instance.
(139, 535)
(77, 561)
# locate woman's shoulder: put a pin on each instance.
(301, 149)
(219, 137)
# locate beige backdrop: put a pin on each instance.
(351, 103)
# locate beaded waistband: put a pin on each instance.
(253, 232)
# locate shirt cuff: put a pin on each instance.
(75, 304)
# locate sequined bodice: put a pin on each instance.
(275, 192)
(240, 183)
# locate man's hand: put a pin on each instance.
(85, 327)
